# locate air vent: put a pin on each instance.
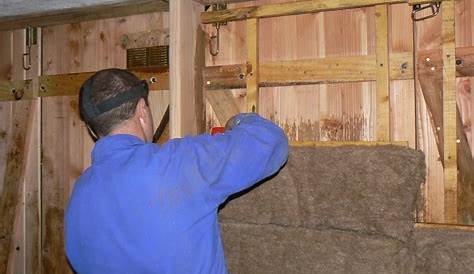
(147, 58)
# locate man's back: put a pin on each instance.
(141, 208)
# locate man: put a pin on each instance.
(145, 208)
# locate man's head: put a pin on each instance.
(114, 101)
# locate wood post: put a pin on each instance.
(185, 72)
(383, 73)
(449, 113)
(252, 61)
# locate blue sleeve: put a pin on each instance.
(235, 160)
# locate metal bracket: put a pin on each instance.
(435, 7)
(214, 45)
(31, 36)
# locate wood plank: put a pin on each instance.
(70, 84)
(208, 2)
(17, 257)
(444, 226)
(449, 113)
(402, 95)
(186, 55)
(345, 143)
(76, 15)
(432, 88)
(421, 2)
(290, 8)
(335, 69)
(253, 62)
(223, 104)
(308, 71)
(32, 188)
(14, 175)
(383, 73)
(151, 38)
(428, 37)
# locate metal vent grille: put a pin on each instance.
(150, 57)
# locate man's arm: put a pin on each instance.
(251, 149)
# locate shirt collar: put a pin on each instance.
(110, 145)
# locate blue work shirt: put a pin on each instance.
(145, 208)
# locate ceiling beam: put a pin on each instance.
(75, 15)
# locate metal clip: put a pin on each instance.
(435, 7)
(214, 51)
(30, 40)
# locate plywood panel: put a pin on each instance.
(66, 145)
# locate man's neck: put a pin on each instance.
(130, 129)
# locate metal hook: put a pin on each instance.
(30, 40)
(435, 7)
(214, 51)
(28, 55)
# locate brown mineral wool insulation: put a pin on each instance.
(275, 249)
(444, 251)
(365, 189)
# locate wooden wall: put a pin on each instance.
(347, 111)
(19, 164)
(315, 112)
(65, 143)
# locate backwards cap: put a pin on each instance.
(90, 110)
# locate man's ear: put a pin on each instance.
(141, 108)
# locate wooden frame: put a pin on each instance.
(382, 68)
(294, 8)
(449, 114)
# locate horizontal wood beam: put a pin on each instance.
(444, 226)
(290, 8)
(209, 2)
(333, 70)
(16, 90)
(76, 15)
(345, 143)
(68, 85)
(308, 72)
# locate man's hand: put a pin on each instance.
(235, 120)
